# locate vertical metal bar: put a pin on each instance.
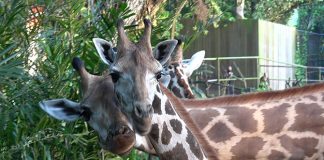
(319, 74)
(306, 73)
(218, 75)
(258, 70)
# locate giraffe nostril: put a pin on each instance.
(110, 135)
(138, 111)
(124, 130)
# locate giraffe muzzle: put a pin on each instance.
(142, 117)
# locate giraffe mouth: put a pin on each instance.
(122, 152)
(126, 152)
(120, 144)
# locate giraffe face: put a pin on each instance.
(177, 74)
(100, 109)
(135, 70)
(177, 79)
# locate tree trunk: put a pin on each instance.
(240, 9)
(143, 9)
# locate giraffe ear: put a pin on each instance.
(194, 63)
(163, 50)
(105, 50)
(62, 109)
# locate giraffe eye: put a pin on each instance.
(158, 75)
(114, 76)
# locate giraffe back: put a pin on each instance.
(268, 125)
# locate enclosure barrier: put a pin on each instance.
(261, 64)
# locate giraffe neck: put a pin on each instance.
(179, 84)
(143, 143)
(170, 135)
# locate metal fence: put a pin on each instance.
(213, 79)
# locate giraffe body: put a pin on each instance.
(285, 124)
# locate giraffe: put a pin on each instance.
(270, 124)
(221, 121)
(177, 71)
(100, 108)
(135, 71)
(285, 124)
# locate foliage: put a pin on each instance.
(65, 29)
(276, 10)
(310, 20)
(263, 86)
(175, 14)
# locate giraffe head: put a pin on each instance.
(135, 70)
(178, 70)
(99, 107)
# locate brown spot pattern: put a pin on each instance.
(176, 91)
(158, 89)
(309, 118)
(176, 125)
(172, 75)
(166, 135)
(299, 148)
(168, 108)
(242, 118)
(154, 134)
(275, 119)
(180, 82)
(157, 105)
(202, 118)
(313, 98)
(247, 148)
(322, 96)
(170, 84)
(274, 155)
(194, 146)
(178, 152)
(220, 132)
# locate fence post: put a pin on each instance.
(218, 75)
(319, 74)
(258, 71)
(306, 73)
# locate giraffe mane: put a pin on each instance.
(183, 113)
(255, 97)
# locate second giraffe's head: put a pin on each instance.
(177, 71)
(135, 71)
